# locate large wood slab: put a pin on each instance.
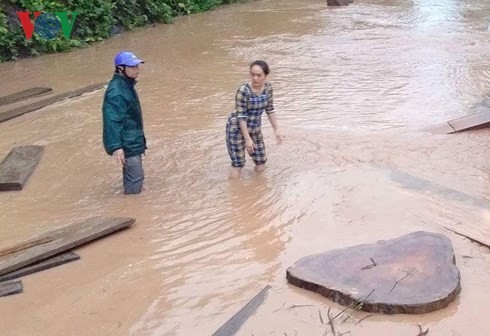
(16, 112)
(42, 265)
(25, 94)
(413, 274)
(11, 287)
(18, 166)
(72, 235)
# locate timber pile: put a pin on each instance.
(19, 96)
(51, 249)
(25, 94)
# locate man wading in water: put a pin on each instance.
(243, 128)
(123, 134)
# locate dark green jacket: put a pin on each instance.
(122, 119)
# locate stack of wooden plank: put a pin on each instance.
(20, 163)
(51, 249)
(35, 92)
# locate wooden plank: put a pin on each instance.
(478, 118)
(18, 166)
(470, 122)
(16, 112)
(11, 287)
(42, 265)
(232, 326)
(41, 238)
(426, 186)
(25, 94)
(24, 245)
(443, 128)
(74, 235)
(477, 232)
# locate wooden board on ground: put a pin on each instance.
(478, 118)
(471, 122)
(42, 265)
(40, 238)
(16, 112)
(24, 245)
(232, 326)
(18, 166)
(25, 94)
(476, 232)
(71, 236)
(11, 287)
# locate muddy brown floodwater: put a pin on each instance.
(353, 87)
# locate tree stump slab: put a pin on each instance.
(413, 274)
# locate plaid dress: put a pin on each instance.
(249, 107)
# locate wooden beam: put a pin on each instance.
(42, 265)
(232, 326)
(16, 112)
(479, 117)
(18, 166)
(479, 232)
(11, 287)
(74, 235)
(25, 245)
(475, 233)
(25, 94)
(41, 238)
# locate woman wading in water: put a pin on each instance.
(243, 128)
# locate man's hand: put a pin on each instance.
(118, 156)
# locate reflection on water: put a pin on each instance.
(352, 87)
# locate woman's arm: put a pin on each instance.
(241, 105)
(272, 115)
(249, 144)
(273, 120)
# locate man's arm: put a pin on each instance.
(114, 110)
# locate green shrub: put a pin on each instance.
(96, 20)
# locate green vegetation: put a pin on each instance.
(97, 20)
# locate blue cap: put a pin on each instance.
(127, 58)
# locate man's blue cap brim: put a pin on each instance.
(133, 62)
